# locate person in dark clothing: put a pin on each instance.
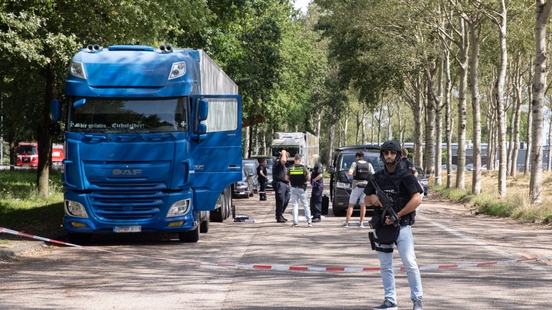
(407, 164)
(280, 186)
(404, 190)
(317, 182)
(261, 176)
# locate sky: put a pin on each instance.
(302, 4)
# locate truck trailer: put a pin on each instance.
(303, 143)
(153, 141)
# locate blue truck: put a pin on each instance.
(152, 141)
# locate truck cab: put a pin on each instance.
(153, 142)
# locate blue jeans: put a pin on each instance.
(405, 245)
(299, 194)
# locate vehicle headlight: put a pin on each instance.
(179, 208)
(343, 185)
(77, 70)
(75, 209)
(178, 69)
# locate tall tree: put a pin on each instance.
(542, 15)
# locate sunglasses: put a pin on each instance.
(389, 152)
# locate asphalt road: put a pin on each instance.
(158, 272)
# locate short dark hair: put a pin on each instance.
(359, 154)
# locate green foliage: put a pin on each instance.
(21, 208)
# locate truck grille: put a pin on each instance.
(139, 204)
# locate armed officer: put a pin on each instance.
(403, 189)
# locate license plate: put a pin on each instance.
(127, 229)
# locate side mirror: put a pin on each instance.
(55, 110)
(202, 110)
(201, 129)
(343, 177)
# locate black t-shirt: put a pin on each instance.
(259, 176)
(279, 172)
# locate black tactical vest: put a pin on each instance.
(362, 171)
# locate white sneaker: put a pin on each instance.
(345, 224)
(361, 225)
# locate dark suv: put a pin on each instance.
(340, 181)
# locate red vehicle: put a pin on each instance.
(27, 154)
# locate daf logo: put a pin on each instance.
(126, 172)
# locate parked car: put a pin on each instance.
(250, 166)
(452, 166)
(469, 167)
(242, 189)
(422, 179)
(269, 164)
(340, 182)
(249, 183)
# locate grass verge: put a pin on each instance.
(23, 209)
(516, 204)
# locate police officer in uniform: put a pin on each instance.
(317, 182)
(261, 175)
(404, 190)
(280, 186)
(298, 176)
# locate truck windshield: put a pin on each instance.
(146, 115)
(292, 151)
(26, 149)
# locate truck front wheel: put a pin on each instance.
(189, 236)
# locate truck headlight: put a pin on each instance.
(75, 209)
(343, 185)
(179, 208)
(178, 69)
(77, 70)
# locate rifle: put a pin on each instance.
(386, 203)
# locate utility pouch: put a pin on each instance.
(387, 234)
(372, 240)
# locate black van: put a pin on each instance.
(340, 181)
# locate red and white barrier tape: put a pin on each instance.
(281, 267)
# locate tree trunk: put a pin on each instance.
(418, 120)
(429, 160)
(542, 15)
(501, 118)
(462, 108)
(44, 138)
(476, 108)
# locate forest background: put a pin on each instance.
(352, 72)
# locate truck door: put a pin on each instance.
(216, 146)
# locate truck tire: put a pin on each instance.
(204, 226)
(223, 212)
(189, 236)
